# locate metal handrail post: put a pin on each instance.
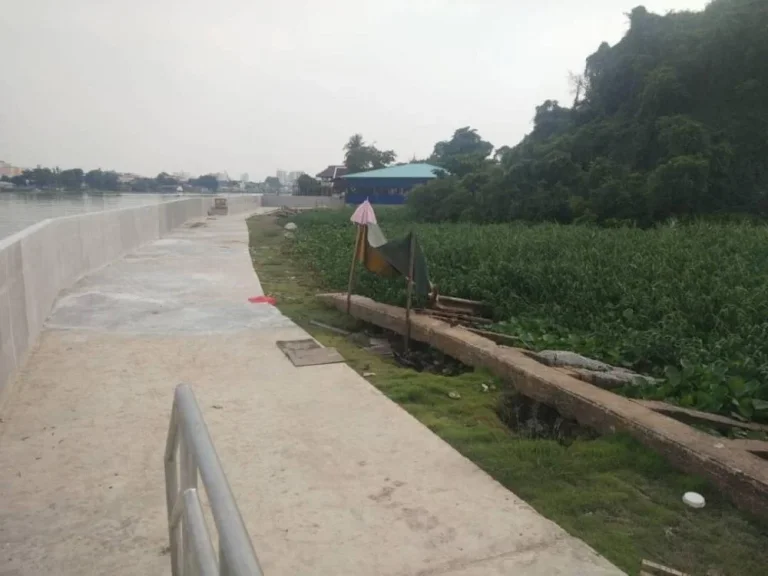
(188, 435)
(204, 558)
(172, 489)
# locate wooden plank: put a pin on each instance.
(499, 338)
(657, 569)
(330, 328)
(470, 307)
(698, 417)
(456, 316)
(740, 475)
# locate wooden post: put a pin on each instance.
(352, 267)
(411, 266)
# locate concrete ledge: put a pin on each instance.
(278, 201)
(742, 476)
(39, 262)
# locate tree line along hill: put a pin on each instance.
(670, 122)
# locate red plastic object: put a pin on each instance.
(262, 300)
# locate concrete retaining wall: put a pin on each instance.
(50, 256)
(243, 203)
(274, 200)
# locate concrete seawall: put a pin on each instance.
(275, 200)
(39, 262)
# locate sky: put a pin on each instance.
(252, 86)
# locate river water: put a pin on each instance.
(19, 210)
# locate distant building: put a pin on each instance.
(388, 185)
(244, 177)
(127, 178)
(288, 178)
(9, 170)
(330, 179)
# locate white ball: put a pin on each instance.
(694, 500)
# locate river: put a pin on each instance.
(19, 210)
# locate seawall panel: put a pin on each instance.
(274, 200)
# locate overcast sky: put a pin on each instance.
(256, 85)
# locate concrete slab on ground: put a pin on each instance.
(331, 477)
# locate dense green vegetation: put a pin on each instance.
(670, 122)
(688, 304)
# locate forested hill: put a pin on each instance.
(671, 121)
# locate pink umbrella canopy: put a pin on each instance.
(364, 214)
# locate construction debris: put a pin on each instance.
(330, 328)
(308, 352)
(653, 569)
(691, 416)
(454, 317)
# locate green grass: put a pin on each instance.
(621, 498)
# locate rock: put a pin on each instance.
(454, 395)
(571, 360)
(614, 378)
(290, 226)
(289, 234)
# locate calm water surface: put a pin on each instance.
(19, 210)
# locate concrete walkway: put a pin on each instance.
(331, 477)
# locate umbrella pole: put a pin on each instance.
(352, 267)
(410, 293)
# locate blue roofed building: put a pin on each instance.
(387, 185)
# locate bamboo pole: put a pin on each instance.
(352, 267)
(411, 266)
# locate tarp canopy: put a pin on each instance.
(390, 259)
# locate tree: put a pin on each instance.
(207, 181)
(72, 179)
(272, 183)
(464, 152)
(360, 157)
(40, 177)
(22, 179)
(144, 185)
(102, 180)
(308, 186)
(165, 179)
(670, 121)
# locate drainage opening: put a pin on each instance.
(531, 419)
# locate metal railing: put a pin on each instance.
(193, 553)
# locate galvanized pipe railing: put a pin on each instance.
(189, 436)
